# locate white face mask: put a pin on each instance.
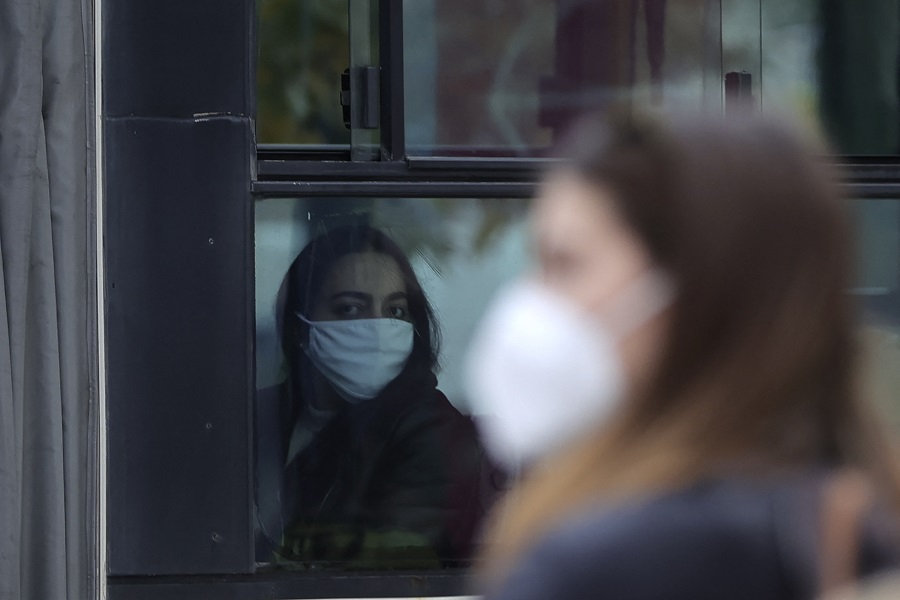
(359, 357)
(542, 372)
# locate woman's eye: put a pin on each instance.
(348, 310)
(398, 312)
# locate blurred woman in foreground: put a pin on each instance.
(679, 376)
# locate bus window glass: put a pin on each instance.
(366, 453)
(508, 77)
(834, 65)
(878, 293)
(303, 49)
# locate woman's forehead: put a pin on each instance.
(369, 272)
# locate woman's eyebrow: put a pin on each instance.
(395, 296)
(353, 294)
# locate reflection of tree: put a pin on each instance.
(303, 48)
(442, 227)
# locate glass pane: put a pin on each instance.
(834, 63)
(303, 49)
(508, 76)
(878, 289)
(367, 457)
(741, 51)
(878, 234)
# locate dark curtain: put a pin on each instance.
(47, 349)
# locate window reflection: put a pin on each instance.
(858, 66)
(878, 291)
(330, 465)
(507, 77)
(362, 459)
(834, 63)
(510, 76)
(303, 48)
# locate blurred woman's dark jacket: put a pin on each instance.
(739, 539)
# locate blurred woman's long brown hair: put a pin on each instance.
(758, 372)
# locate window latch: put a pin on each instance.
(360, 93)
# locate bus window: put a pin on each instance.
(366, 452)
(878, 292)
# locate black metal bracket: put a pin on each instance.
(360, 97)
(738, 91)
(390, 49)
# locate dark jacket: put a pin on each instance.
(736, 540)
(396, 481)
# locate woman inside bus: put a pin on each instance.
(679, 375)
(379, 469)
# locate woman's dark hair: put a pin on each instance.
(307, 274)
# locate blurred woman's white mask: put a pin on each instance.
(359, 357)
(541, 372)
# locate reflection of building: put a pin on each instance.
(516, 73)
